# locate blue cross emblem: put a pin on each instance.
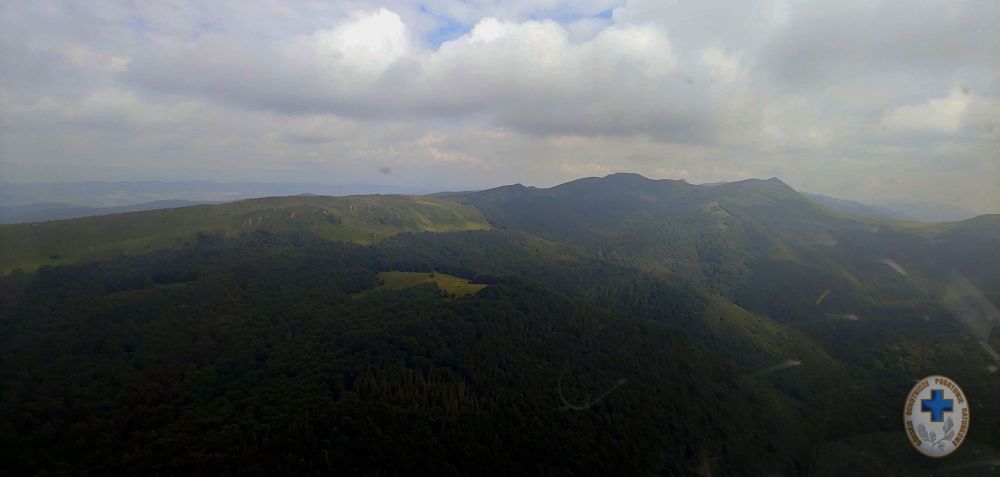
(937, 405)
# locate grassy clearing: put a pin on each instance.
(448, 283)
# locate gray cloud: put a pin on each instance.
(829, 42)
(868, 100)
(529, 76)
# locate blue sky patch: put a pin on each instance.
(448, 31)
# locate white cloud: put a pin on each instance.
(587, 169)
(662, 173)
(368, 44)
(525, 91)
(530, 76)
(433, 146)
(941, 115)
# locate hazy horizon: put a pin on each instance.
(111, 194)
(873, 102)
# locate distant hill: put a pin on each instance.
(359, 219)
(929, 211)
(112, 194)
(911, 211)
(857, 208)
(16, 214)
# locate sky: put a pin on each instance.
(881, 101)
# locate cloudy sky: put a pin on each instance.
(872, 100)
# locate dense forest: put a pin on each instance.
(675, 330)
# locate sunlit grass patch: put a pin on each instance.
(447, 283)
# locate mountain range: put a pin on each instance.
(603, 326)
(43, 212)
(55, 201)
(125, 193)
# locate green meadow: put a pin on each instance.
(448, 283)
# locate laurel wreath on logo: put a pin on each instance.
(932, 438)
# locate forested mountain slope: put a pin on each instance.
(737, 237)
(612, 325)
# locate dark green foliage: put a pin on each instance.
(257, 355)
(628, 327)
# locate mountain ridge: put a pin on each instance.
(739, 328)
